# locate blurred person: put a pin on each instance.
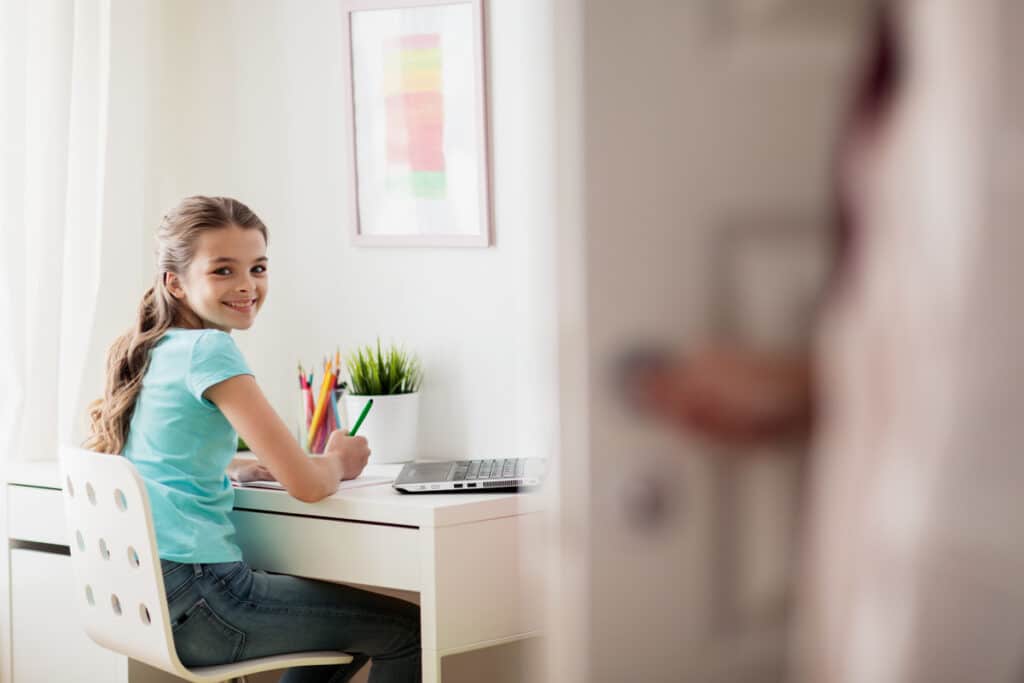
(913, 390)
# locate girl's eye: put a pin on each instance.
(259, 269)
(222, 271)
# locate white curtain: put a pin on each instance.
(59, 214)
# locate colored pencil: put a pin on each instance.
(321, 406)
(362, 416)
(334, 406)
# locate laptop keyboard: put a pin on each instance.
(467, 470)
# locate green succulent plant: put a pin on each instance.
(382, 371)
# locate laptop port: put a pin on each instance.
(458, 486)
(470, 486)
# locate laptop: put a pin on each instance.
(470, 476)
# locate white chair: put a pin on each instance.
(117, 576)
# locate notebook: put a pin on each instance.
(372, 475)
(470, 476)
(343, 486)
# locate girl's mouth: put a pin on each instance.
(241, 306)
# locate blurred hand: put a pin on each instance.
(736, 396)
(352, 452)
(249, 471)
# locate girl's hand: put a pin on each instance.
(351, 452)
(249, 471)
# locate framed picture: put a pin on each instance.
(418, 140)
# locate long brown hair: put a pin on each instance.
(128, 357)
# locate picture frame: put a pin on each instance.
(418, 143)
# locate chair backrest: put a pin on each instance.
(118, 581)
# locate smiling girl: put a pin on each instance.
(178, 394)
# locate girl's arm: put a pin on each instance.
(308, 479)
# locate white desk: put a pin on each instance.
(461, 552)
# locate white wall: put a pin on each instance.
(247, 100)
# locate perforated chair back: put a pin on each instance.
(118, 581)
(114, 556)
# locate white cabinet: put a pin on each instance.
(48, 644)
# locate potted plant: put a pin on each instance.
(391, 376)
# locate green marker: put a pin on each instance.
(362, 416)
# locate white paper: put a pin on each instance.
(350, 484)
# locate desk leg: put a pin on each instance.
(473, 593)
(431, 666)
(429, 625)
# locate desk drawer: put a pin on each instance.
(36, 514)
(331, 550)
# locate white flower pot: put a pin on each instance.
(390, 427)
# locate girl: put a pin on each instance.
(177, 390)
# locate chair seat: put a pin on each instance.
(223, 672)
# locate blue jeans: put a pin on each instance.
(226, 612)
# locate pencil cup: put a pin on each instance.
(390, 427)
(328, 422)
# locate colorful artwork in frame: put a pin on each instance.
(416, 86)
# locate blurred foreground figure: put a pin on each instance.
(914, 568)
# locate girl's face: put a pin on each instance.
(226, 283)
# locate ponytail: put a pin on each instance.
(127, 362)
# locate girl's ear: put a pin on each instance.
(173, 285)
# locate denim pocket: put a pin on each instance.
(204, 639)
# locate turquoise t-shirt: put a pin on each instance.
(182, 444)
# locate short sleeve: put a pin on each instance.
(215, 358)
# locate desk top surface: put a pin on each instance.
(379, 504)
